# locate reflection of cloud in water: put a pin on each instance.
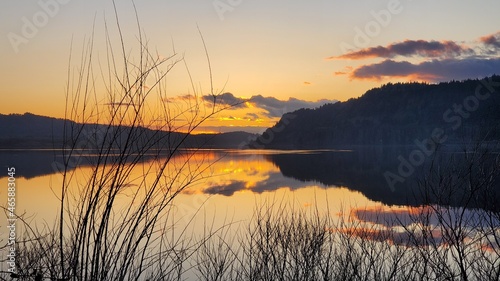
(276, 181)
(272, 181)
(385, 216)
(226, 189)
(418, 226)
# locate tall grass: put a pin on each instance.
(286, 244)
(454, 235)
(115, 223)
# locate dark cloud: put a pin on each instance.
(271, 106)
(226, 99)
(226, 189)
(434, 71)
(441, 60)
(252, 116)
(409, 48)
(276, 108)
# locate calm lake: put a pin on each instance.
(348, 185)
(234, 181)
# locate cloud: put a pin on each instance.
(226, 99)
(492, 40)
(408, 48)
(434, 70)
(227, 129)
(252, 116)
(184, 98)
(271, 107)
(276, 108)
(439, 60)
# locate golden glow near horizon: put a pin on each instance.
(326, 50)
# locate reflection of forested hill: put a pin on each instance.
(29, 163)
(33, 163)
(363, 170)
(394, 114)
(360, 170)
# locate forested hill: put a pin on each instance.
(30, 131)
(395, 114)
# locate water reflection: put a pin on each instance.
(432, 225)
(346, 185)
(227, 172)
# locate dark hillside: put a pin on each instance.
(394, 114)
(29, 131)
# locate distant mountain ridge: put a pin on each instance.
(30, 131)
(394, 114)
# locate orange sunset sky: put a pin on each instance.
(273, 56)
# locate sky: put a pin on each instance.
(269, 57)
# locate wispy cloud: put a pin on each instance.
(408, 48)
(252, 116)
(492, 40)
(225, 129)
(433, 71)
